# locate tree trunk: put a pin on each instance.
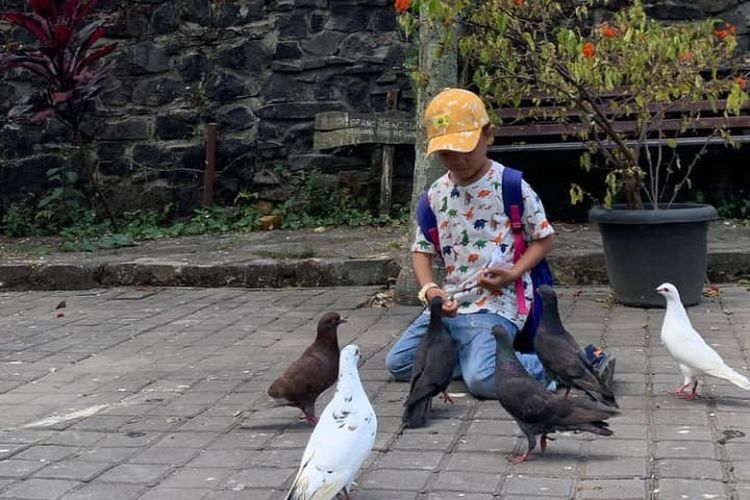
(438, 62)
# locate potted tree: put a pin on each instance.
(594, 70)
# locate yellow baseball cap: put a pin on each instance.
(454, 120)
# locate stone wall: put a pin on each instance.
(261, 69)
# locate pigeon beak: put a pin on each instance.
(341, 320)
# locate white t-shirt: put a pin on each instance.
(475, 234)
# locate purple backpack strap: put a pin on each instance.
(428, 222)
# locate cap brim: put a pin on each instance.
(460, 142)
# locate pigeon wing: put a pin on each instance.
(306, 378)
(438, 359)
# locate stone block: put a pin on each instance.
(113, 158)
(223, 87)
(293, 25)
(14, 275)
(176, 125)
(348, 19)
(287, 50)
(192, 66)
(157, 91)
(164, 19)
(323, 44)
(40, 489)
(126, 130)
(147, 57)
(63, 277)
(236, 117)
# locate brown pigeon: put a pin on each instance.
(313, 372)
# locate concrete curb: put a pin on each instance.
(573, 270)
(265, 273)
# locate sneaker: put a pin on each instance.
(552, 386)
(603, 363)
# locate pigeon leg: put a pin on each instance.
(679, 391)
(567, 392)
(447, 398)
(693, 392)
(543, 441)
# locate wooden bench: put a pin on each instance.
(526, 128)
(532, 128)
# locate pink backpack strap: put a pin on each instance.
(518, 249)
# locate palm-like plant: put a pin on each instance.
(68, 57)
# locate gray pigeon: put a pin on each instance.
(562, 357)
(537, 411)
(313, 372)
(436, 357)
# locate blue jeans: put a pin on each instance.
(476, 350)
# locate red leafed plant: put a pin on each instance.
(66, 57)
(70, 61)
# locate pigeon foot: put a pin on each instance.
(678, 391)
(517, 459)
(312, 419)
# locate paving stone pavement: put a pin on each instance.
(134, 394)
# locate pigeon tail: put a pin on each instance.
(605, 399)
(597, 427)
(727, 373)
(416, 415)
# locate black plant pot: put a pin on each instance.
(645, 248)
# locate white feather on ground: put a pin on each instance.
(688, 348)
(342, 439)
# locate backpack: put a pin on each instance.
(540, 274)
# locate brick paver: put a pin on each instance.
(158, 394)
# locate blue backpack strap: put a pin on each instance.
(428, 222)
(512, 193)
(541, 273)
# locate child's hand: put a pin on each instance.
(494, 278)
(450, 306)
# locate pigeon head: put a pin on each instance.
(349, 359)
(501, 336)
(668, 290)
(329, 323)
(547, 293)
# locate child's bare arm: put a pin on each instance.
(423, 271)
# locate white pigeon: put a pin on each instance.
(688, 348)
(342, 439)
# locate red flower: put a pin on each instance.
(609, 31)
(589, 50)
(741, 81)
(402, 6)
(518, 2)
(721, 34)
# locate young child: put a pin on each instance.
(477, 245)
